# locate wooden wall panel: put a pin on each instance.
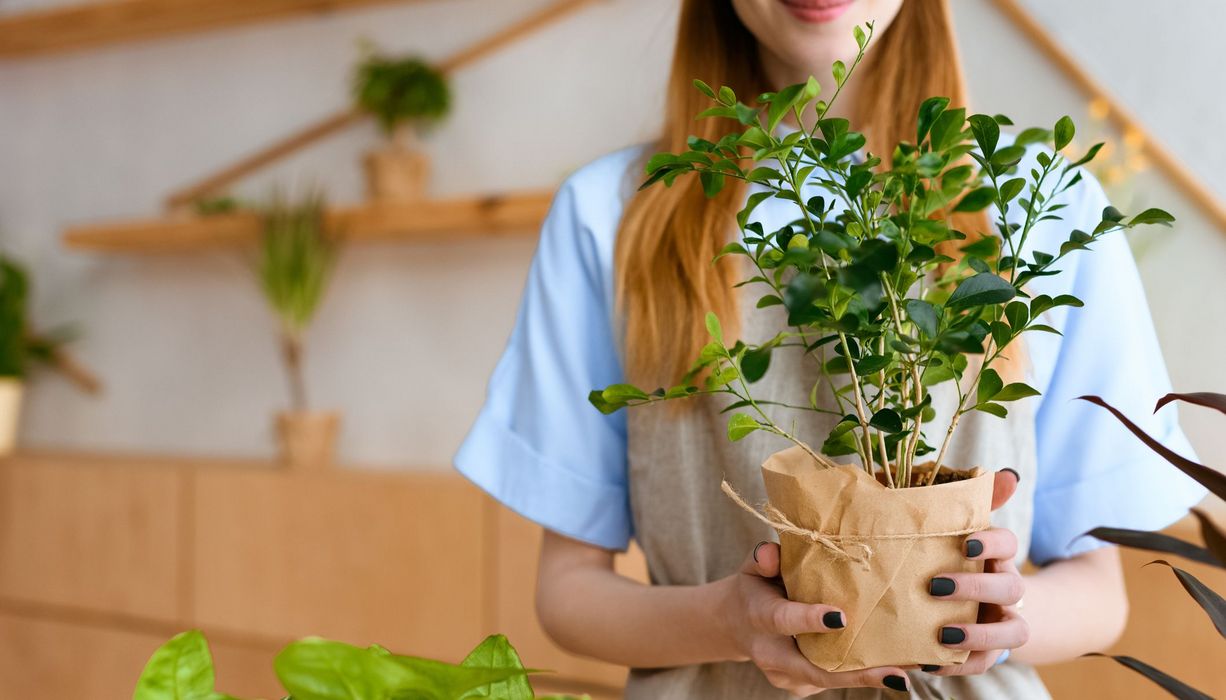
(358, 557)
(101, 537)
(54, 660)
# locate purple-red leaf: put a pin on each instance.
(1156, 542)
(1207, 399)
(1205, 597)
(1170, 684)
(1211, 479)
(1215, 539)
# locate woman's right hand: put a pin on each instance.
(761, 622)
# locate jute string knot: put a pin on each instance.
(845, 547)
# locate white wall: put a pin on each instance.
(406, 340)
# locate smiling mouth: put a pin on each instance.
(816, 11)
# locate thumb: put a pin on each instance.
(762, 561)
(1004, 487)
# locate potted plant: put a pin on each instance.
(404, 95)
(319, 669)
(296, 256)
(20, 347)
(891, 301)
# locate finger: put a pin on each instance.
(1004, 486)
(996, 543)
(1010, 633)
(789, 618)
(997, 588)
(763, 560)
(978, 662)
(787, 668)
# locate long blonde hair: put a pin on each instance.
(664, 280)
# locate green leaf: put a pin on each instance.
(1064, 132)
(929, 112)
(994, 409)
(714, 329)
(977, 199)
(181, 669)
(980, 290)
(987, 133)
(886, 419)
(839, 70)
(990, 385)
(1017, 314)
(1015, 391)
(923, 315)
(755, 363)
(704, 88)
(861, 39)
(727, 96)
(712, 182)
(496, 652)
(740, 425)
(1152, 216)
(1012, 188)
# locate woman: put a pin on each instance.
(617, 291)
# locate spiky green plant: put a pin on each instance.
(14, 292)
(296, 257)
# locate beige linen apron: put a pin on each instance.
(692, 533)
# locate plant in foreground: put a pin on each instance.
(318, 669)
(1213, 553)
(863, 270)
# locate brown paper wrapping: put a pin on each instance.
(892, 620)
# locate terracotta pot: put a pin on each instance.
(307, 439)
(396, 173)
(11, 391)
(880, 549)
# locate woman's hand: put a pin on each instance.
(760, 622)
(998, 590)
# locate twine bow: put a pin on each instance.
(846, 547)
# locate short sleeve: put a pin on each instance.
(1091, 471)
(537, 445)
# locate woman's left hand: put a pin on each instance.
(998, 590)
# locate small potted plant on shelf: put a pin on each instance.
(319, 669)
(890, 301)
(404, 95)
(295, 260)
(20, 347)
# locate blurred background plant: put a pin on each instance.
(405, 95)
(295, 260)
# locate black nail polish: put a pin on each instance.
(833, 620)
(895, 683)
(930, 668)
(756, 547)
(952, 635)
(973, 548)
(941, 586)
(1013, 471)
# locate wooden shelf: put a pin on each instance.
(432, 219)
(104, 22)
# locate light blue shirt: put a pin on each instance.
(540, 448)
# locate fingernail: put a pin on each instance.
(941, 586)
(1013, 471)
(930, 668)
(952, 635)
(833, 620)
(756, 547)
(895, 683)
(973, 548)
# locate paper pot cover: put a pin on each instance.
(891, 617)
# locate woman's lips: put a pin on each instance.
(816, 11)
